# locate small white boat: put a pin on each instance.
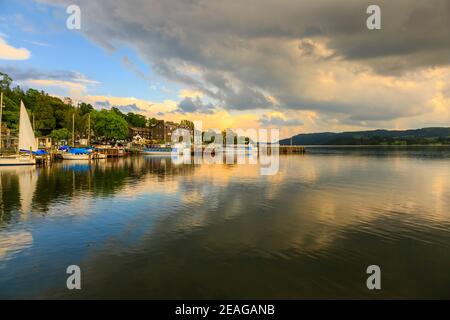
(20, 160)
(27, 143)
(76, 156)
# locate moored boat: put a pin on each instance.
(27, 143)
(17, 160)
(77, 154)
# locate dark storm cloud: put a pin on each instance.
(266, 121)
(192, 105)
(241, 49)
(242, 98)
(104, 104)
(129, 108)
(23, 74)
(189, 30)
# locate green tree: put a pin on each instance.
(152, 121)
(5, 81)
(118, 112)
(10, 115)
(45, 120)
(187, 124)
(60, 134)
(136, 120)
(109, 125)
(85, 108)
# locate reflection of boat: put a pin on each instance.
(27, 143)
(76, 165)
(12, 242)
(76, 154)
(27, 182)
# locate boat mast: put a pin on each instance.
(1, 114)
(73, 129)
(89, 129)
(164, 125)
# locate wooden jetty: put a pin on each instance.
(111, 152)
(281, 149)
(292, 149)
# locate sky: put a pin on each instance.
(301, 66)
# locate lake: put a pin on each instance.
(146, 227)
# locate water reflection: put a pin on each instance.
(225, 231)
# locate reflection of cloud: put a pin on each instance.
(149, 184)
(12, 242)
(439, 188)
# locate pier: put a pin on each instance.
(292, 149)
(281, 149)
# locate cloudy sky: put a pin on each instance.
(303, 66)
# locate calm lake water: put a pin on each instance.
(144, 227)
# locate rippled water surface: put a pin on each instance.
(144, 227)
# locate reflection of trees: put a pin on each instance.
(9, 196)
(164, 166)
(65, 180)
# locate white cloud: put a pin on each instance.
(8, 52)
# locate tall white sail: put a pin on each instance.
(27, 140)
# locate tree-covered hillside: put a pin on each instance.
(52, 116)
(425, 136)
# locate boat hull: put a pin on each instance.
(70, 156)
(17, 161)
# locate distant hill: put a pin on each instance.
(426, 136)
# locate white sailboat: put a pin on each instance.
(27, 143)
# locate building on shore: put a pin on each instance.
(169, 128)
(159, 132)
(143, 133)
